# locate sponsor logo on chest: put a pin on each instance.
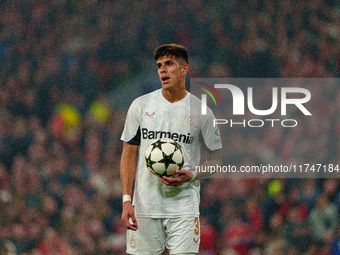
(157, 134)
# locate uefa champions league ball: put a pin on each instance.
(164, 156)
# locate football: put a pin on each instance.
(163, 157)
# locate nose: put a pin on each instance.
(162, 69)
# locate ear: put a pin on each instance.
(185, 68)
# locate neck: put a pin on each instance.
(174, 95)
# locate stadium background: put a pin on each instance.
(69, 70)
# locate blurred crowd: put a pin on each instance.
(60, 134)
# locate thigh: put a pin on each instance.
(149, 239)
(182, 235)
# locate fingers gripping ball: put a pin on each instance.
(164, 156)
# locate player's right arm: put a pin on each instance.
(127, 176)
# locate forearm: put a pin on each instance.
(213, 158)
(128, 168)
(211, 162)
(187, 175)
(127, 176)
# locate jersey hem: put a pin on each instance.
(184, 252)
(156, 216)
(215, 148)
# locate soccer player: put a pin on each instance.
(165, 210)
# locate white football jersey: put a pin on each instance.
(151, 117)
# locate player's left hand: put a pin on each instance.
(181, 177)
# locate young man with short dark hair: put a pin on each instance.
(165, 210)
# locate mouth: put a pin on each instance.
(165, 79)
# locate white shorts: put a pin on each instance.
(178, 235)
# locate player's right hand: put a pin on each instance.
(129, 212)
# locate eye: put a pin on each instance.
(168, 63)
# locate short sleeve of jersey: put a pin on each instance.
(131, 132)
(211, 134)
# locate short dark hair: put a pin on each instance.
(176, 50)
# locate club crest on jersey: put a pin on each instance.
(190, 120)
(150, 115)
(133, 242)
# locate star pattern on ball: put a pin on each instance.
(158, 144)
(148, 160)
(177, 146)
(163, 156)
(166, 160)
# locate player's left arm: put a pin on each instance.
(213, 158)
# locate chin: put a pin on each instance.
(167, 87)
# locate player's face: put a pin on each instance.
(171, 72)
